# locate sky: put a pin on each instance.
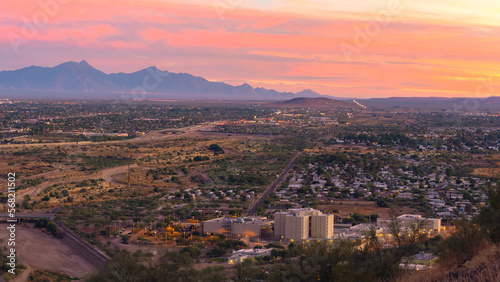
(359, 49)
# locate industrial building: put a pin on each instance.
(239, 227)
(302, 224)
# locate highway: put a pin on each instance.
(272, 187)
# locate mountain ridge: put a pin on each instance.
(73, 77)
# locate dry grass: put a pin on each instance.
(483, 267)
(490, 166)
(487, 172)
(364, 207)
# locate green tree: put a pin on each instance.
(192, 251)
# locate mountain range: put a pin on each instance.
(71, 79)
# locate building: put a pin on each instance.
(240, 255)
(322, 226)
(407, 220)
(297, 227)
(239, 227)
(422, 258)
(302, 224)
(405, 195)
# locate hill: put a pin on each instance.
(307, 93)
(81, 80)
(313, 103)
(437, 103)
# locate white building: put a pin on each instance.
(240, 255)
(407, 220)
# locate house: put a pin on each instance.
(422, 258)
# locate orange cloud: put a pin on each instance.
(409, 55)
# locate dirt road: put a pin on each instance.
(106, 174)
(154, 135)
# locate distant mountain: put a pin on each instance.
(67, 76)
(493, 100)
(308, 93)
(314, 103)
(71, 79)
(436, 103)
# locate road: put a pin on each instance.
(154, 135)
(105, 174)
(272, 187)
(86, 254)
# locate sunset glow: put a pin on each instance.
(384, 48)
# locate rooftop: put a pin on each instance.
(244, 220)
(423, 256)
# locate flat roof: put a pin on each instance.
(423, 256)
(243, 220)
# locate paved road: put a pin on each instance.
(272, 187)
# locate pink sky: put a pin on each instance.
(339, 48)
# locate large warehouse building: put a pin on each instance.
(239, 227)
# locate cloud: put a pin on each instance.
(418, 84)
(312, 78)
(286, 44)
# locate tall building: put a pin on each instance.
(297, 227)
(322, 226)
(302, 224)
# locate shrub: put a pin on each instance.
(192, 251)
(467, 240)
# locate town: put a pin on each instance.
(256, 184)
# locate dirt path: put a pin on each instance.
(106, 174)
(154, 135)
